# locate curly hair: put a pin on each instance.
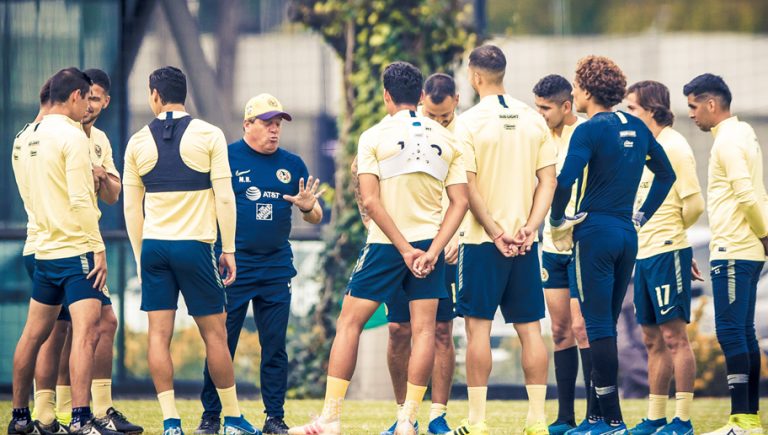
(602, 78)
(654, 97)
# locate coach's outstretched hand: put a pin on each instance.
(307, 196)
(227, 268)
(562, 234)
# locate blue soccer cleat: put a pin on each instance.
(603, 428)
(583, 427)
(438, 426)
(648, 427)
(676, 427)
(560, 427)
(239, 426)
(172, 426)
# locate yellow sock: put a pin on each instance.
(683, 403)
(44, 406)
(101, 393)
(476, 397)
(335, 390)
(657, 406)
(168, 405)
(64, 399)
(228, 397)
(537, 396)
(436, 410)
(413, 397)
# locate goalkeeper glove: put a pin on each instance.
(562, 230)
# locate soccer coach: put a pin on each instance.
(269, 182)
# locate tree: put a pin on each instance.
(367, 35)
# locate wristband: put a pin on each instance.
(306, 211)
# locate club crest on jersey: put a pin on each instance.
(97, 150)
(253, 193)
(283, 175)
(263, 212)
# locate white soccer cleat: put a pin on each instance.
(405, 427)
(318, 426)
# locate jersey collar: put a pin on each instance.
(726, 121)
(174, 114)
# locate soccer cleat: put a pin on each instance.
(23, 427)
(172, 426)
(405, 427)
(55, 428)
(471, 429)
(648, 427)
(116, 421)
(583, 427)
(438, 426)
(560, 427)
(752, 422)
(239, 426)
(274, 425)
(209, 425)
(676, 427)
(603, 428)
(318, 426)
(538, 428)
(391, 430)
(93, 427)
(735, 426)
(65, 418)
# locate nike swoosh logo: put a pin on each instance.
(239, 173)
(666, 310)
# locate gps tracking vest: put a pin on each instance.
(170, 173)
(415, 155)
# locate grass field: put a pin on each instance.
(370, 417)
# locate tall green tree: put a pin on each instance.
(367, 35)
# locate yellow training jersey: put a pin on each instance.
(665, 232)
(19, 160)
(412, 200)
(735, 155)
(101, 152)
(185, 215)
(451, 127)
(60, 187)
(561, 142)
(504, 142)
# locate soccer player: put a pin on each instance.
(70, 259)
(614, 146)
(665, 267)
(737, 216)
(404, 159)
(177, 187)
(553, 100)
(439, 104)
(510, 160)
(269, 182)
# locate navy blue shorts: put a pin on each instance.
(603, 262)
(487, 280)
(398, 308)
(189, 266)
(734, 290)
(29, 265)
(663, 287)
(380, 272)
(557, 272)
(63, 281)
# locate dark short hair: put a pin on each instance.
(488, 57)
(100, 78)
(554, 88)
(66, 81)
(654, 97)
(711, 85)
(439, 86)
(45, 93)
(170, 83)
(602, 78)
(403, 81)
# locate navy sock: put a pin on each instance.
(754, 382)
(593, 406)
(566, 371)
(738, 382)
(81, 416)
(21, 415)
(605, 371)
